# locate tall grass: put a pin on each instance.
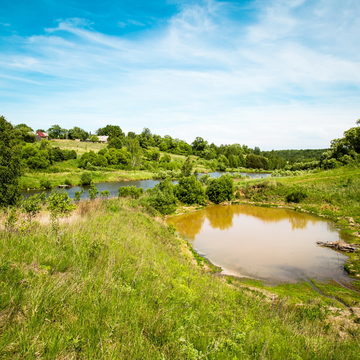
(117, 284)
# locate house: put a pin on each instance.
(41, 135)
(103, 138)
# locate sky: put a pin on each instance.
(278, 74)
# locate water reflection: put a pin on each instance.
(267, 243)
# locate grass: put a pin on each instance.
(117, 284)
(32, 180)
(79, 146)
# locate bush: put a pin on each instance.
(67, 182)
(220, 189)
(296, 196)
(190, 191)
(78, 194)
(105, 194)
(130, 191)
(162, 197)
(32, 205)
(85, 179)
(45, 184)
(93, 192)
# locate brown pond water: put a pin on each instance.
(275, 245)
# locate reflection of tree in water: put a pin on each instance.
(188, 225)
(220, 217)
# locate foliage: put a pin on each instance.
(113, 131)
(190, 191)
(56, 132)
(78, 195)
(85, 179)
(130, 191)
(59, 205)
(93, 138)
(32, 205)
(220, 189)
(256, 162)
(162, 197)
(187, 167)
(10, 168)
(105, 194)
(343, 150)
(296, 196)
(93, 192)
(42, 155)
(78, 133)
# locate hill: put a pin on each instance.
(101, 290)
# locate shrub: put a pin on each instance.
(32, 205)
(78, 194)
(85, 179)
(190, 191)
(130, 191)
(220, 189)
(105, 194)
(93, 192)
(67, 182)
(45, 184)
(162, 197)
(187, 167)
(296, 196)
(59, 205)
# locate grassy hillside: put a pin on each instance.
(79, 146)
(116, 284)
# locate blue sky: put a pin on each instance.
(268, 73)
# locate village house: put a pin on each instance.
(103, 138)
(41, 135)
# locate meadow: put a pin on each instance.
(116, 282)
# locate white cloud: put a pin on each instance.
(279, 82)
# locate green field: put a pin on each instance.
(116, 284)
(79, 146)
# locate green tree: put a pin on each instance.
(57, 132)
(135, 151)
(78, 133)
(93, 138)
(199, 145)
(130, 191)
(32, 206)
(93, 192)
(10, 168)
(190, 191)
(162, 197)
(221, 189)
(85, 179)
(187, 167)
(59, 205)
(111, 130)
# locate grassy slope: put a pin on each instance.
(79, 146)
(118, 285)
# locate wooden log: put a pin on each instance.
(339, 245)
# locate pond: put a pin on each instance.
(274, 245)
(113, 187)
